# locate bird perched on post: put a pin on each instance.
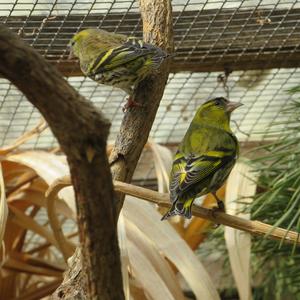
(115, 59)
(205, 157)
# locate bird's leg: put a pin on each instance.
(131, 103)
(220, 203)
(221, 206)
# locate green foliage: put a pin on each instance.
(278, 204)
(279, 167)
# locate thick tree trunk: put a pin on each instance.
(81, 132)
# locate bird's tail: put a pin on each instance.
(180, 208)
(160, 57)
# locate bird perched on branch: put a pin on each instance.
(115, 59)
(205, 157)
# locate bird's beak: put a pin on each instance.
(231, 106)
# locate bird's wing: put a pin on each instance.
(194, 169)
(118, 56)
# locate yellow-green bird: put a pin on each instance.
(115, 59)
(205, 157)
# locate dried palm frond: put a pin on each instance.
(240, 185)
(41, 234)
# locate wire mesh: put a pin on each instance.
(262, 92)
(208, 34)
(257, 40)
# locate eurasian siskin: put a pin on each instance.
(115, 59)
(205, 157)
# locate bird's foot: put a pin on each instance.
(130, 103)
(220, 208)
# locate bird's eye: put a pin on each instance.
(217, 102)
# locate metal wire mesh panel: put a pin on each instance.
(262, 92)
(210, 37)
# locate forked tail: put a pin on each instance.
(180, 208)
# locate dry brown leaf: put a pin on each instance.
(122, 238)
(158, 262)
(240, 184)
(38, 261)
(146, 275)
(3, 214)
(38, 198)
(41, 291)
(67, 248)
(20, 266)
(137, 291)
(163, 159)
(49, 167)
(196, 230)
(20, 218)
(37, 130)
(166, 239)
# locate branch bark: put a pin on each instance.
(81, 131)
(134, 132)
(137, 123)
(253, 227)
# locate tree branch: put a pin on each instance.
(253, 227)
(81, 131)
(137, 123)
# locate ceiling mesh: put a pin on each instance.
(257, 40)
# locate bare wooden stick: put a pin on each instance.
(253, 227)
(66, 247)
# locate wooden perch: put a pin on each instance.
(163, 200)
(253, 227)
